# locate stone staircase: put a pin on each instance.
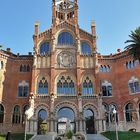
(96, 137)
(50, 137)
(43, 137)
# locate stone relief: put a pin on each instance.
(66, 60)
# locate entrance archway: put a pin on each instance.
(89, 117)
(42, 122)
(66, 120)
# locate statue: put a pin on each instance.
(134, 116)
(30, 112)
(35, 60)
(68, 126)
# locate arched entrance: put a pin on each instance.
(89, 117)
(42, 122)
(66, 120)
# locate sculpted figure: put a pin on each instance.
(30, 112)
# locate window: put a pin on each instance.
(65, 38)
(23, 89)
(134, 86)
(87, 87)
(112, 116)
(1, 64)
(1, 113)
(16, 115)
(65, 86)
(106, 88)
(43, 86)
(26, 107)
(132, 64)
(45, 48)
(105, 68)
(24, 68)
(28, 68)
(101, 68)
(86, 49)
(128, 112)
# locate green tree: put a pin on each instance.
(134, 43)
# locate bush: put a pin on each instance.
(44, 128)
(69, 134)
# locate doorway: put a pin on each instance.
(42, 122)
(89, 117)
(66, 120)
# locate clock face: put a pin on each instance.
(64, 4)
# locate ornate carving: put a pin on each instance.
(66, 60)
(64, 4)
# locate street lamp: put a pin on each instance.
(115, 115)
(25, 133)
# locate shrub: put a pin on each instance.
(69, 134)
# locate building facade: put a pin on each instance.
(66, 84)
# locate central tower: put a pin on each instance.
(64, 10)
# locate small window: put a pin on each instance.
(86, 49)
(45, 48)
(65, 38)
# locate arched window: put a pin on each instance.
(1, 64)
(108, 68)
(1, 113)
(127, 66)
(26, 107)
(21, 68)
(139, 109)
(134, 86)
(104, 68)
(28, 68)
(16, 115)
(43, 86)
(101, 68)
(65, 38)
(128, 112)
(106, 88)
(65, 86)
(45, 48)
(87, 87)
(23, 89)
(86, 49)
(112, 115)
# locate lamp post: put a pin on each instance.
(25, 133)
(115, 115)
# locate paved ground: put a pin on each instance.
(96, 137)
(42, 137)
(89, 137)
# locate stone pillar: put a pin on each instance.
(77, 125)
(35, 126)
(51, 125)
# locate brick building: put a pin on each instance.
(66, 82)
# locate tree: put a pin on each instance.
(134, 46)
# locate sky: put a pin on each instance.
(115, 19)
